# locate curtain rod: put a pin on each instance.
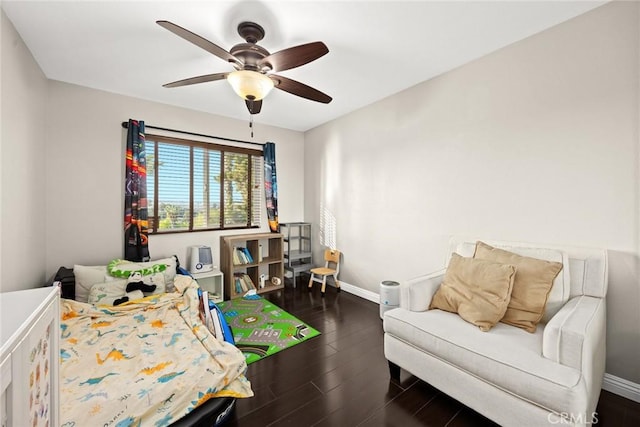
(126, 125)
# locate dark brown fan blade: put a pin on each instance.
(296, 56)
(254, 107)
(299, 89)
(196, 80)
(199, 41)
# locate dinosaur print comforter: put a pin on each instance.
(148, 362)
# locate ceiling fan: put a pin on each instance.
(252, 79)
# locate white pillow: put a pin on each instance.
(86, 277)
(107, 292)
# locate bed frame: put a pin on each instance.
(214, 412)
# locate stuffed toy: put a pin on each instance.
(130, 296)
(135, 285)
(135, 289)
(124, 273)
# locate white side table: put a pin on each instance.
(212, 282)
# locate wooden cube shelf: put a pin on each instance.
(269, 261)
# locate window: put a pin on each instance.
(196, 186)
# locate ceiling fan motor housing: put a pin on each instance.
(250, 54)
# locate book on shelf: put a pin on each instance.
(243, 283)
(236, 257)
(242, 256)
(260, 256)
(247, 254)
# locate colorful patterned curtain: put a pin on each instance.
(136, 243)
(271, 186)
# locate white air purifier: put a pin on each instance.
(389, 296)
(200, 259)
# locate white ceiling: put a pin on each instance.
(376, 48)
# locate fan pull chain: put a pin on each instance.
(251, 124)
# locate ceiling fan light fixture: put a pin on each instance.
(250, 85)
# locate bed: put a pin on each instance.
(149, 361)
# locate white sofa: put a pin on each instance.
(511, 376)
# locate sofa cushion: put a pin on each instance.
(476, 289)
(531, 288)
(506, 357)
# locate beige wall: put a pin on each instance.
(536, 142)
(22, 160)
(85, 148)
(62, 158)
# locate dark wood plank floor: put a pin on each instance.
(341, 378)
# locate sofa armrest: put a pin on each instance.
(575, 336)
(416, 294)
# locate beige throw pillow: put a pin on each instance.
(476, 289)
(533, 282)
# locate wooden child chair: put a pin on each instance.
(319, 274)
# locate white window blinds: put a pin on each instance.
(195, 186)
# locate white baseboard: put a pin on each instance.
(611, 383)
(359, 292)
(621, 387)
